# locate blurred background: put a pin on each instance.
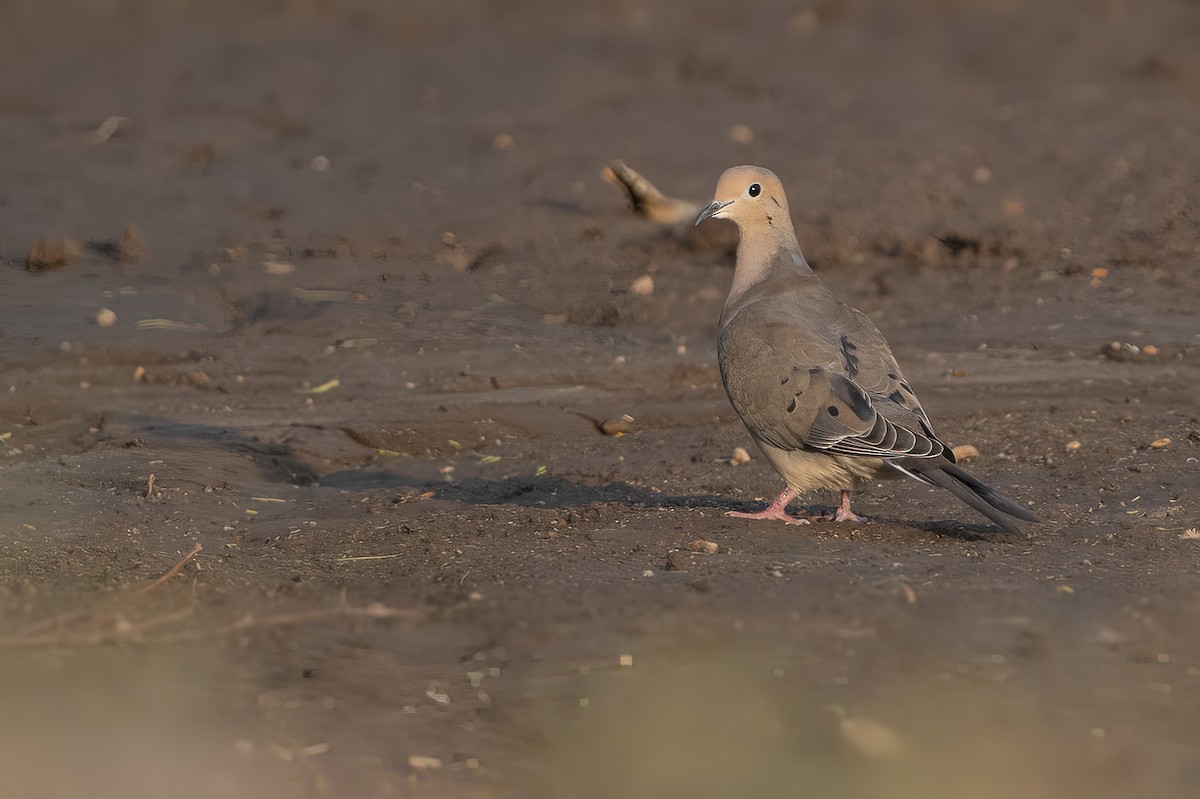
(335, 290)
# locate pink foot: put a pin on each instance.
(779, 514)
(776, 511)
(847, 516)
(843, 512)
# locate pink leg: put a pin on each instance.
(844, 514)
(777, 510)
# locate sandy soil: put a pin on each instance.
(436, 576)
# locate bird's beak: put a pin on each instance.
(712, 210)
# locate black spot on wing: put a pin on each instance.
(848, 349)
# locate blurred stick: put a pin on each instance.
(107, 625)
(33, 635)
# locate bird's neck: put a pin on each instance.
(762, 253)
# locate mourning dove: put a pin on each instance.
(812, 378)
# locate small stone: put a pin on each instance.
(740, 456)
(503, 142)
(449, 239)
(617, 427)
(1072, 446)
(964, 452)
(741, 134)
(319, 163)
(106, 318)
(982, 174)
(626, 661)
(870, 737)
(706, 547)
(1150, 350)
(643, 286)
(278, 267)
(1161, 443)
(424, 762)
(139, 374)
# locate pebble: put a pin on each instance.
(870, 737)
(741, 134)
(643, 286)
(424, 762)
(740, 456)
(1072, 446)
(1161, 443)
(319, 163)
(964, 452)
(616, 427)
(707, 547)
(503, 142)
(106, 317)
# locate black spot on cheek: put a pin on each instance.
(791, 405)
(833, 411)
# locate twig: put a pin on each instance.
(137, 595)
(108, 625)
(375, 611)
(93, 616)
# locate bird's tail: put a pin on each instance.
(983, 498)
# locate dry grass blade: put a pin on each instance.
(95, 625)
(109, 624)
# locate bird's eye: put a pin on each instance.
(754, 190)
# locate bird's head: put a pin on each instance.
(750, 197)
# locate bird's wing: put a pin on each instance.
(824, 382)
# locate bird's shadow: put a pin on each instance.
(281, 462)
(524, 491)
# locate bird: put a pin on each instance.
(813, 379)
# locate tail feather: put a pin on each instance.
(983, 498)
(991, 495)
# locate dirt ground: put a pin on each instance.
(376, 299)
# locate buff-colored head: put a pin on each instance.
(752, 198)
